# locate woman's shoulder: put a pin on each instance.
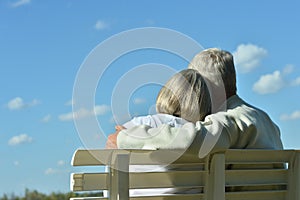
(170, 120)
(156, 120)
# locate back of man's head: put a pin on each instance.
(217, 67)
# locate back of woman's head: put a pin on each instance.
(185, 95)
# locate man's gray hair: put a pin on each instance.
(216, 66)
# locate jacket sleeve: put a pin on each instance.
(216, 132)
(162, 137)
(219, 132)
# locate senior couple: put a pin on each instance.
(200, 105)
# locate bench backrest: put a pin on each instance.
(230, 174)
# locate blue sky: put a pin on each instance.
(44, 43)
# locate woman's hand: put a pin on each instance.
(111, 142)
(119, 127)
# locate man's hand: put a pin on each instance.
(111, 142)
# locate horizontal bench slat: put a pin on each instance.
(89, 181)
(161, 197)
(142, 157)
(91, 157)
(167, 179)
(104, 157)
(171, 197)
(257, 195)
(256, 177)
(99, 181)
(257, 156)
(89, 198)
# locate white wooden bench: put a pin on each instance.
(228, 174)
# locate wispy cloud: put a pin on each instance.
(269, 83)
(50, 171)
(288, 69)
(19, 139)
(57, 170)
(139, 101)
(69, 103)
(248, 56)
(46, 119)
(101, 25)
(20, 3)
(101, 109)
(61, 162)
(293, 116)
(83, 113)
(296, 82)
(16, 163)
(18, 103)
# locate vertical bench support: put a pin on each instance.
(294, 177)
(119, 178)
(216, 178)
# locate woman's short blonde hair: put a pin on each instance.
(185, 95)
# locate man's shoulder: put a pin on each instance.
(237, 110)
(236, 105)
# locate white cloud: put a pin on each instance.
(295, 115)
(33, 102)
(69, 103)
(66, 117)
(269, 83)
(19, 139)
(139, 101)
(50, 171)
(248, 56)
(101, 109)
(83, 113)
(20, 3)
(46, 119)
(101, 25)
(288, 69)
(296, 82)
(18, 103)
(16, 163)
(61, 163)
